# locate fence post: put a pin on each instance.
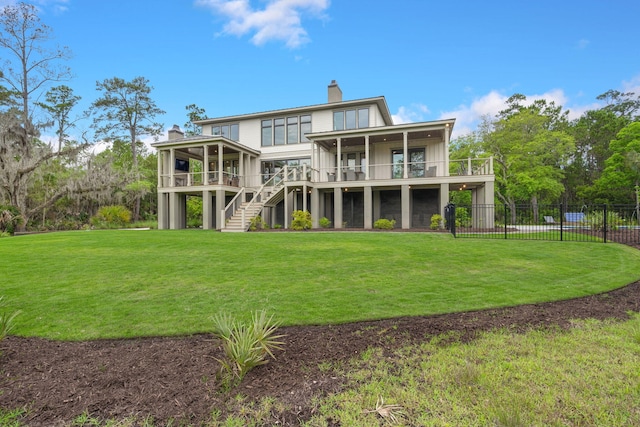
(604, 224)
(450, 218)
(561, 219)
(505, 221)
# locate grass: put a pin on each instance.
(126, 283)
(587, 376)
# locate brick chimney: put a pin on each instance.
(335, 94)
(175, 133)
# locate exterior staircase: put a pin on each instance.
(235, 224)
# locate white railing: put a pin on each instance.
(471, 166)
(272, 186)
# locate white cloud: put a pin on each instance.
(468, 116)
(411, 114)
(279, 20)
(632, 85)
(582, 44)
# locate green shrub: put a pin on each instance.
(6, 319)
(384, 224)
(111, 217)
(437, 222)
(301, 220)
(324, 222)
(245, 345)
(257, 223)
(463, 219)
(9, 219)
(595, 220)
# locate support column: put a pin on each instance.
(162, 210)
(161, 154)
(405, 154)
(220, 205)
(241, 169)
(315, 208)
(205, 166)
(337, 207)
(368, 208)
(366, 161)
(207, 208)
(444, 198)
(220, 164)
(339, 161)
(286, 206)
(447, 131)
(406, 207)
(172, 167)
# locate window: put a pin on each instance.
(292, 130)
(416, 163)
(231, 131)
(267, 136)
(351, 119)
(271, 168)
(338, 120)
(278, 131)
(305, 128)
(363, 118)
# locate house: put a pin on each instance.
(343, 160)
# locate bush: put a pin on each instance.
(6, 319)
(595, 220)
(384, 224)
(437, 222)
(301, 220)
(257, 223)
(245, 345)
(9, 219)
(324, 222)
(111, 217)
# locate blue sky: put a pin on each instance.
(430, 59)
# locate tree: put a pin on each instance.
(24, 160)
(59, 102)
(531, 150)
(194, 113)
(29, 66)
(621, 176)
(126, 111)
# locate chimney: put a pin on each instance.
(175, 133)
(335, 94)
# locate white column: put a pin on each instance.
(172, 167)
(339, 160)
(368, 208)
(405, 150)
(220, 159)
(241, 169)
(366, 158)
(406, 206)
(205, 166)
(447, 130)
(160, 167)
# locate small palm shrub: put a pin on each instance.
(111, 217)
(6, 319)
(301, 220)
(437, 222)
(384, 224)
(245, 345)
(325, 222)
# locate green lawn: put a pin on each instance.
(98, 284)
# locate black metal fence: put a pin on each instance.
(586, 223)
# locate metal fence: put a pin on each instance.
(584, 223)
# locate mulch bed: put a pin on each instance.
(175, 378)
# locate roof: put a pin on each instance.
(379, 100)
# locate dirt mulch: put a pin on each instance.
(174, 378)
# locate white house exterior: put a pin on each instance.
(343, 160)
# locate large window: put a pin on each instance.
(270, 168)
(351, 119)
(289, 130)
(267, 133)
(416, 163)
(231, 131)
